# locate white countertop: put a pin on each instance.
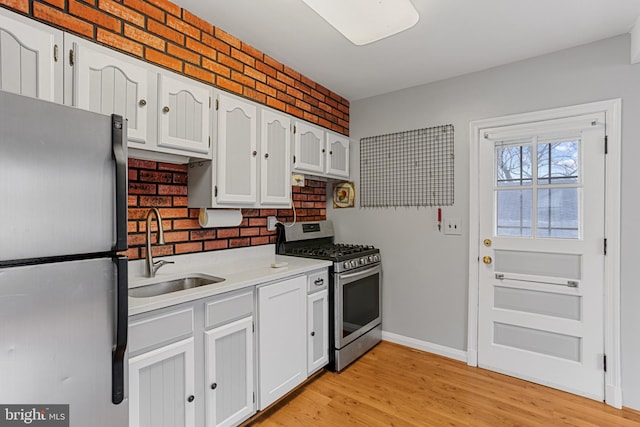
(241, 268)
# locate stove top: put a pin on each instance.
(332, 251)
(315, 240)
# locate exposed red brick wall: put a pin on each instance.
(164, 185)
(162, 33)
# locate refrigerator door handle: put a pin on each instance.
(119, 139)
(119, 352)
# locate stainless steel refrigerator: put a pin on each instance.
(63, 286)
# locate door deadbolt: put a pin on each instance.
(487, 259)
(487, 242)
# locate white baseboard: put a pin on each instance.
(438, 349)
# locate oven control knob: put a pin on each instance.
(370, 259)
(376, 258)
(346, 264)
(353, 263)
(363, 261)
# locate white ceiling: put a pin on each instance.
(452, 37)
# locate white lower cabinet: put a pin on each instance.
(194, 364)
(229, 382)
(162, 387)
(318, 330)
(282, 338)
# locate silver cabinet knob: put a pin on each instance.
(142, 102)
(165, 109)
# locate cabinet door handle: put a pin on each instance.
(330, 153)
(254, 153)
(323, 150)
(191, 398)
(214, 386)
(313, 334)
(266, 155)
(165, 109)
(319, 281)
(142, 102)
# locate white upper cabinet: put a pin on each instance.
(275, 158)
(184, 112)
(106, 82)
(320, 152)
(309, 148)
(251, 164)
(237, 151)
(337, 155)
(30, 58)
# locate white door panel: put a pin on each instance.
(541, 274)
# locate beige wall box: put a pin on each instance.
(219, 217)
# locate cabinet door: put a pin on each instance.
(337, 155)
(30, 58)
(318, 330)
(229, 373)
(106, 84)
(309, 151)
(162, 387)
(282, 342)
(275, 155)
(237, 151)
(184, 114)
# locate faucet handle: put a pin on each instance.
(158, 264)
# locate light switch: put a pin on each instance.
(452, 226)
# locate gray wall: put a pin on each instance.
(426, 272)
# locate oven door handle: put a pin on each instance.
(366, 272)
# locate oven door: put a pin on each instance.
(357, 303)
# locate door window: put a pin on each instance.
(537, 188)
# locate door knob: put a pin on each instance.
(165, 109)
(487, 259)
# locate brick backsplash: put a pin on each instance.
(164, 185)
(164, 34)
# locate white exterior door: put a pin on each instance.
(542, 252)
(30, 58)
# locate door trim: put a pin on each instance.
(612, 109)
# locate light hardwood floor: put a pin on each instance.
(394, 385)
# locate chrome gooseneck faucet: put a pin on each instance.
(152, 267)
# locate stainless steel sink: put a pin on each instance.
(168, 286)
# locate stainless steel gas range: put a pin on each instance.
(355, 288)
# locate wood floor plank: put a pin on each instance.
(393, 385)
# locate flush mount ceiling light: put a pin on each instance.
(365, 21)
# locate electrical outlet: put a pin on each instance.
(297, 180)
(271, 223)
(452, 226)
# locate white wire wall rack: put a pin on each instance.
(409, 168)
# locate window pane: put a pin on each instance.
(513, 165)
(513, 213)
(558, 213)
(558, 162)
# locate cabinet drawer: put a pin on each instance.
(148, 333)
(317, 280)
(227, 308)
